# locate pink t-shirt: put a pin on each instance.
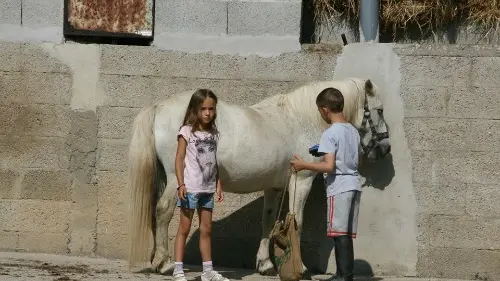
(200, 168)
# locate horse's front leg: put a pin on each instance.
(271, 204)
(298, 193)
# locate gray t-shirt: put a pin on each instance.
(341, 139)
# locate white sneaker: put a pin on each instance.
(179, 276)
(212, 276)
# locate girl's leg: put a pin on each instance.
(186, 217)
(205, 216)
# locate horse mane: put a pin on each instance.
(302, 101)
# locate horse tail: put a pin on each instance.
(142, 173)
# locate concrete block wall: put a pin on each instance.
(66, 111)
(452, 123)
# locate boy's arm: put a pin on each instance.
(325, 166)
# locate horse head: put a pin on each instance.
(373, 129)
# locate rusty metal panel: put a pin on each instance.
(124, 18)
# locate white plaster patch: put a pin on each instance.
(84, 60)
(388, 232)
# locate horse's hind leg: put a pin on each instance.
(164, 211)
(271, 204)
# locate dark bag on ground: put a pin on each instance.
(287, 258)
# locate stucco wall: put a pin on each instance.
(430, 210)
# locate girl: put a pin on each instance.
(198, 179)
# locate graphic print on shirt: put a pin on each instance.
(206, 156)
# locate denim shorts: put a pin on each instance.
(197, 200)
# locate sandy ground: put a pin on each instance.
(44, 267)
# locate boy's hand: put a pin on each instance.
(220, 194)
(297, 163)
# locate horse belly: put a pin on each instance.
(253, 171)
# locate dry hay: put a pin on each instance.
(484, 14)
(428, 15)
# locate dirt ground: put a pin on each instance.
(44, 267)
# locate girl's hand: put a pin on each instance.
(182, 192)
(220, 195)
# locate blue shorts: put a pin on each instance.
(196, 201)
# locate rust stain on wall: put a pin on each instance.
(128, 16)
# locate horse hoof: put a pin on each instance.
(166, 269)
(268, 272)
(306, 275)
(266, 268)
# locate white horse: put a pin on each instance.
(254, 151)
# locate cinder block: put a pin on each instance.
(29, 87)
(298, 67)
(116, 122)
(425, 101)
(139, 91)
(112, 155)
(39, 216)
(111, 199)
(10, 57)
(36, 120)
(457, 263)
(482, 200)
(112, 245)
(264, 17)
(460, 166)
(36, 58)
(8, 179)
(47, 185)
(436, 134)
(10, 12)
(43, 242)
(475, 102)
(435, 71)
(485, 72)
(42, 13)
(8, 240)
(452, 134)
(202, 17)
(442, 199)
(32, 152)
(464, 232)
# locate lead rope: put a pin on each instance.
(291, 171)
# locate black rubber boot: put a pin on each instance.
(344, 257)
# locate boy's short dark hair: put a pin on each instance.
(332, 99)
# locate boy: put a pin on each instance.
(339, 145)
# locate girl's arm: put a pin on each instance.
(220, 195)
(179, 162)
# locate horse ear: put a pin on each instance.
(368, 85)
